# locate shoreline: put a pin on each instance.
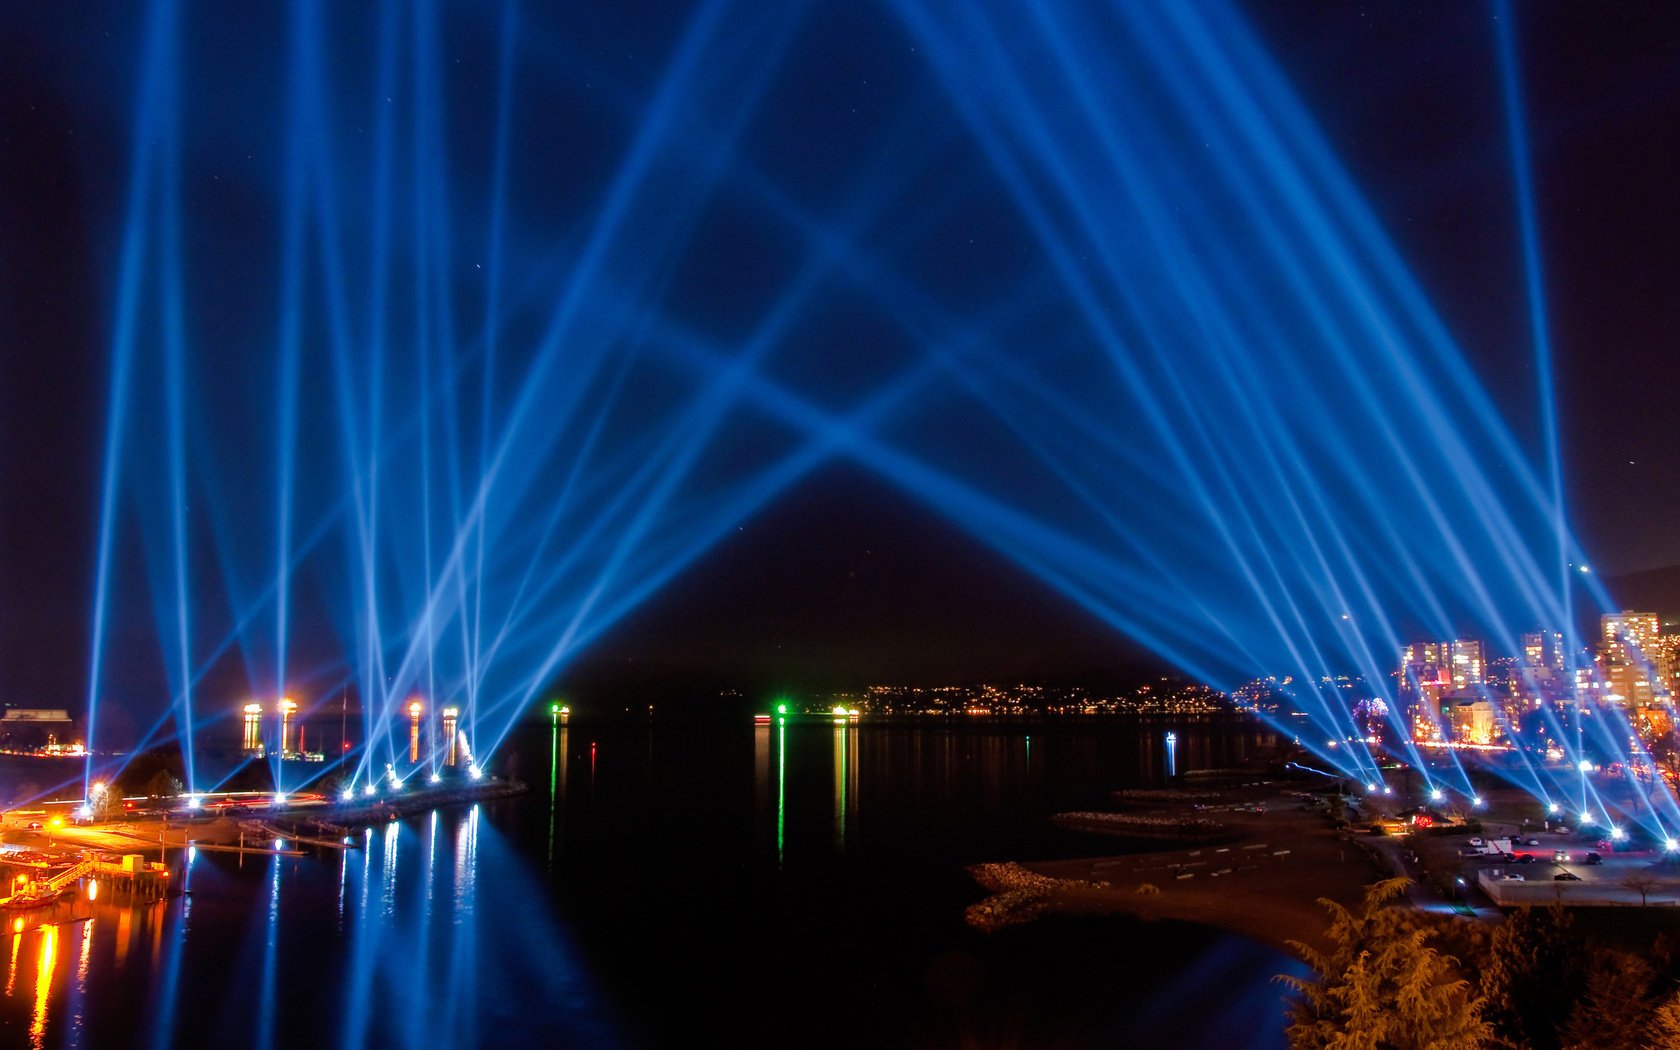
(1262, 879)
(149, 835)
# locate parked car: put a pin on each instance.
(1566, 876)
(1525, 858)
(34, 825)
(1531, 842)
(1477, 842)
(1512, 876)
(1593, 858)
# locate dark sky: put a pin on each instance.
(844, 577)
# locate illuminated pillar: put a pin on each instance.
(450, 716)
(414, 710)
(287, 708)
(253, 729)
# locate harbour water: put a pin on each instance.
(774, 886)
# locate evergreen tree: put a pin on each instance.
(1665, 1024)
(1616, 1009)
(1532, 978)
(1384, 985)
(164, 785)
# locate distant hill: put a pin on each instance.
(1653, 590)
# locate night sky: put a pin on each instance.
(843, 579)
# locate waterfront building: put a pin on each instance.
(34, 728)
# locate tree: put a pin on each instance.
(332, 785)
(1665, 1022)
(1664, 748)
(164, 785)
(1642, 883)
(1384, 984)
(1616, 1007)
(104, 803)
(1532, 977)
(1437, 860)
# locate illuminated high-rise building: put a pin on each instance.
(1543, 649)
(1625, 631)
(252, 742)
(1468, 663)
(1666, 662)
(1425, 677)
(451, 716)
(1629, 649)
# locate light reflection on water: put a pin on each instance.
(446, 929)
(44, 968)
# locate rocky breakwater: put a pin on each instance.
(1142, 825)
(1018, 895)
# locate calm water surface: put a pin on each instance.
(666, 885)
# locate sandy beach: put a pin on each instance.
(1262, 877)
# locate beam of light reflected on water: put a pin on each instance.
(43, 985)
(11, 968)
(781, 792)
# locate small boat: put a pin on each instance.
(35, 896)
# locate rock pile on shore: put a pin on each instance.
(1140, 824)
(1018, 895)
(1164, 795)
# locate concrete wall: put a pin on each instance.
(1582, 894)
